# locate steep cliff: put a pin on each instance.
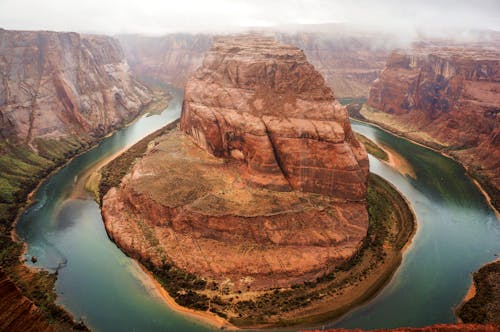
(348, 60)
(447, 98)
(237, 199)
(60, 84)
(59, 93)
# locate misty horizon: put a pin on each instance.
(414, 19)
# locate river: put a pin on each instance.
(457, 233)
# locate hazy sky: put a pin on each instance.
(158, 17)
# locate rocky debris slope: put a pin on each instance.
(17, 313)
(237, 200)
(58, 84)
(262, 103)
(447, 98)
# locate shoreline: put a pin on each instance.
(360, 294)
(395, 266)
(471, 292)
(444, 154)
(203, 316)
(29, 201)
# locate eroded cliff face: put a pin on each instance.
(263, 187)
(261, 102)
(349, 63)
(60, 84)
(448, 98)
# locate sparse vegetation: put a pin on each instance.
(114, 171)
(334, 293)
(484, 307)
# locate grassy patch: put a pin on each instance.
(114, 171)
(372, 148)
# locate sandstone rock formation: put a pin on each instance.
(448, 98)
(267, 190)
(349, 61)
(59, 84)
(263, 103)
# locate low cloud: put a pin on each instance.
(156, 17)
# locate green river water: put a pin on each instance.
(457, 233)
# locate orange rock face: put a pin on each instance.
(261, 102)
(448, 98)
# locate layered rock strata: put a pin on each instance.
(58, 84)
(264, 188)
(262, 103)
(447, 98)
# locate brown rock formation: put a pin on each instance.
(265, 118)
(449, 99)
(261, 102)
(59, 84)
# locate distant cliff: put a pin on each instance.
(169, 59)
(349, 63)
(448, 98)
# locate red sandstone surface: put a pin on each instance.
(261, 102)
(268, 187)
(348, 60)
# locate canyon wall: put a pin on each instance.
(448, 98)
(349, 63)
(59, 84)
(59, 93)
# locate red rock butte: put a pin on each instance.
(261, 102)
(267, 188)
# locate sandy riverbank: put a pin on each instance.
(202, 316)
(398, 162)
